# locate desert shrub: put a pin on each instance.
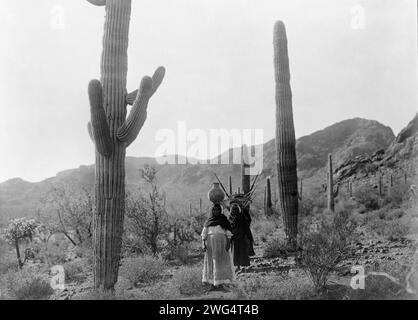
(275, 248)
(324, 243)
(146, 222)
(26, 285)
(276, 288)
(308, 207)
(367, 197)
(396, 195)
(178, 253)
(188, 280)
(75, 271)
(21, 230)
(85, 253)
(8, 265)
(72, 206)
(389, 224)
(394, 230)
(142, 269)
(263, 227)
(55, 252)
(181, 233)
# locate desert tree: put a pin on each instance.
(146, 216)
(18, 231)
(72, 205)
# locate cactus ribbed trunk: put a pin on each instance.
(269, 204)
(301, 190)
(380, 185)
(245, 167)
(112, 133)
(110, 171)
(285, 137)
(330, 184)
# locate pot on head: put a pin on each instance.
(215, 194)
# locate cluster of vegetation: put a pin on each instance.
(156, 238)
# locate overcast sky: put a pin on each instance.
(219, 60)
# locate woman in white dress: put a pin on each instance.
(216, 241)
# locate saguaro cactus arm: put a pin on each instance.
(99, 126)
(98, 3)
(136, 119)
(90, 131)
(157, 78)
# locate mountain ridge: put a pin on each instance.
(189, 182)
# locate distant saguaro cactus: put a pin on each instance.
(112, 133)
(330, 184)
(350, 188)
(269, 204)
(285, 137)
(245, 176)
(380, 181)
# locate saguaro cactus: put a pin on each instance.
(285, 137)
(301, 190)
(380, 182)
(330, 184)
(112, 133)
(269, 204)
(245, 177)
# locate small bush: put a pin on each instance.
(55, 253)
(324, 245)
(263, 227)
(75, 271)
(275, 248)
(188, 280)
(368, 198)
(388, 224)
(142, 270)
(26, 285)
(178, 253)
(8, 265)
(308, 207)
(396, 195)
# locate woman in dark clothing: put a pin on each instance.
(242, 239)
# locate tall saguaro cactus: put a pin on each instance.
(269, 204)
(330, 184)
(112, 133)
(285, 136)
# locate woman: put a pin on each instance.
(216, 241)
(242, 240)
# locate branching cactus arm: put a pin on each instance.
(98, 3)
(136, 119)
(99, 126)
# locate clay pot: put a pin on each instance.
(215, 194)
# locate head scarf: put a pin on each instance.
(218, 219)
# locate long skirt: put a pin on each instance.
(217, 268)
(241, 249)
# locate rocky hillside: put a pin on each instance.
(187, 183)
(397, 163)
